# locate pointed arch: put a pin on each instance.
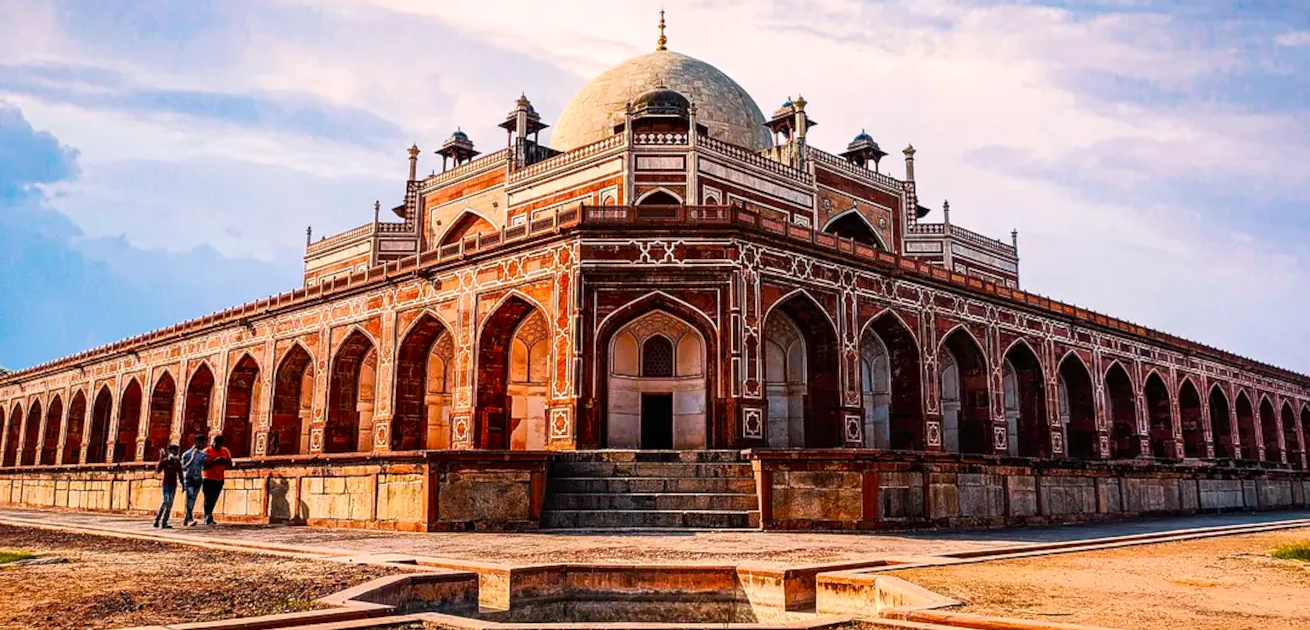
(1246, 425)
(659, 196)
(420, 412)
(1024, 387)
(97, 435)
(1159, 416)
(31, 433)
(13, 433)
(76, 426)
(1076, 397)
(54, 419)
(293, 400)
(159, 423)
(1290, 437)
(605, 428)
(467, 223)
(966, 398)
(129, 421)
(1121, 408)
(245, 393)
(1305, 429)
(1222, 432)
(351, 393)
(818, 407)
(1269, 430)
(196, 404)
(904, 408)
(496, 424)
(852, 224)
(1191, 419)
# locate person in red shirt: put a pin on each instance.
(217, 461)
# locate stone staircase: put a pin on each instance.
(650, 490)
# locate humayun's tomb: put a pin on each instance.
(677, 314)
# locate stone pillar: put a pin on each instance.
(385, 386)
(565, 356)
(462, 415)
(67, 397)
(1207, 430)
(261, 420)
(1234, 430)
(322, 379)
(930, 380)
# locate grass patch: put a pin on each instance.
(14, 556)
(1296, 551)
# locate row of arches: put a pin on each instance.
(513, 374)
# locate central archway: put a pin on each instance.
(656, 394)
(499, 425)
(891, 385)
(966, 402)
(54, 419)
(421, 418)
(351, 391)
(1025, 403)
(801, 365)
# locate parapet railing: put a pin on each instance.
(830, 160)
(963, 234)
(359, 233)
(581, 216)
(753, 159)
(581, 153)
(435, 181)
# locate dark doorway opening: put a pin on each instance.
(657, 421)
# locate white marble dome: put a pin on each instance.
(722, 106)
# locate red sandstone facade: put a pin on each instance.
(659, 288)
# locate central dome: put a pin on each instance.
(721, 105)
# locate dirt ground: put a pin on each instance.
(114, 583)
(1226, 583)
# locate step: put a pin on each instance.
(661, 502)
(372, 623)
(721, 456)
(650, 469)
(648, 519)
(651, 485)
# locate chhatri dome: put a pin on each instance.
(722, 106)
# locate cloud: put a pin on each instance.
(29, 158)
(1293, 39)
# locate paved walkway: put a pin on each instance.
(775, 548)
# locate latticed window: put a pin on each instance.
(657, 357)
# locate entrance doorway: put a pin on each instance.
(657, 421)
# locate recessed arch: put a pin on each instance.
(97, 435)
(76, 425)
(852, 224)
(13, 433)
(1223, 433)
(420, 416)
(31, 433)
(1246, 426)
(1269, 430)
(1305, 428)
(54, 419)
(1290, 437)
(904, 424)
(1076, 397)
(293, 400)
(965, 394)
(496, 423)
(808, 399)
(196, 404)
(468, 222)
(1024, 393)
(660, 196)
(645, 302)
(159, 422)
(1191, 419)
(1159, 416)
(352, 385)
(655, 378)
(130, 404)
(1121, 407)
(245, 394)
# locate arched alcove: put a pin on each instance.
(421, 415)
(1189, 411)
(293, 402)
(195, 407)
(657, 387)
(1221, 426)
(76, 424)
(130, 403)
(1159, 414)
(97, 437)
(159, 425)
(801, 375)
(1246, 427)
(244, 394)
(351, 386)
(1121, 407)
(1025, 403)
(891, 385)
(1077, 400)
(54, 418)
(966, 405)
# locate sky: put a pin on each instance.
(162, 159)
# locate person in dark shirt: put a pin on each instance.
(171, 466)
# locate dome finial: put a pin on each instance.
(662, 40)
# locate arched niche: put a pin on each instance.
(1269, 430)
(1191, 419)
(657, 385)
(54, 418)
(1159, 417)
(891, 393)
(1246, 427)
(293, 403)
(1221, 425)
(130, 404)
(966, 406)
(801, 367)
(1290, 437)
(421, 415)
(351, 393)
(1077, 399)
(76, 424)
(245, 392)
(97, 437)
(31, 433)
(1024, 392)
(1121, 407)
(511, 414)
(159, 424)
(195, 407)
(13, 433)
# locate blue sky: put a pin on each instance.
(160, 159)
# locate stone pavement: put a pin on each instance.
(707, 547)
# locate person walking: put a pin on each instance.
(171, 466)
(217, 460)
(193, 466)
